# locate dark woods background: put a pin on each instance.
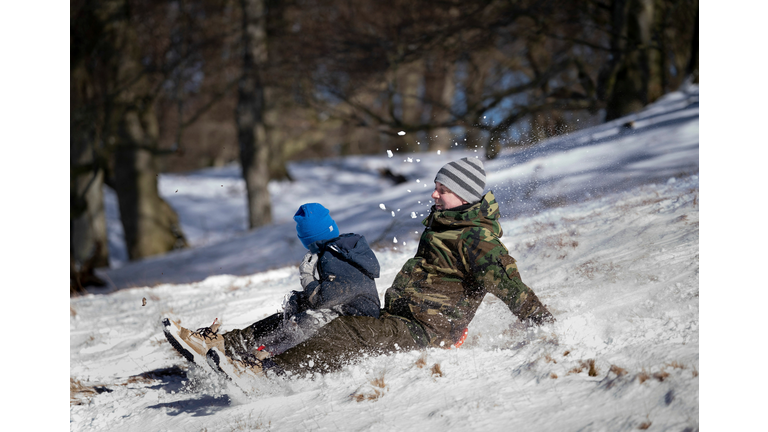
(175, 85)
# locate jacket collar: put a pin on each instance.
(483, 213)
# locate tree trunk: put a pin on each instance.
(692, 69)
(438, 94)
(629, 92)
(478, 68)
(251, 131)
(409, 84)
(87, 222)
(151, 226)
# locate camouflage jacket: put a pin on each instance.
(459, 260)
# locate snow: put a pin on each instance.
(604, 224)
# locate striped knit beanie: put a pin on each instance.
(313, 223)
(464, 177)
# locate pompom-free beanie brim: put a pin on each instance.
(464, 177)
(313, 223)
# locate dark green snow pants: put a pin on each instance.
(347, 338)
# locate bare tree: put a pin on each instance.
(113, 117)
(522, 68)
(151, 226)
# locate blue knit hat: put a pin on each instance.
(313, 223)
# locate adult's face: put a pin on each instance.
(444, 198)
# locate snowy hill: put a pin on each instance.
(604, 224)
(662, 144)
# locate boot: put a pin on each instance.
(193, 345)
(243, 372)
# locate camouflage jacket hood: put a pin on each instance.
(459, 259)
(484, 213)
